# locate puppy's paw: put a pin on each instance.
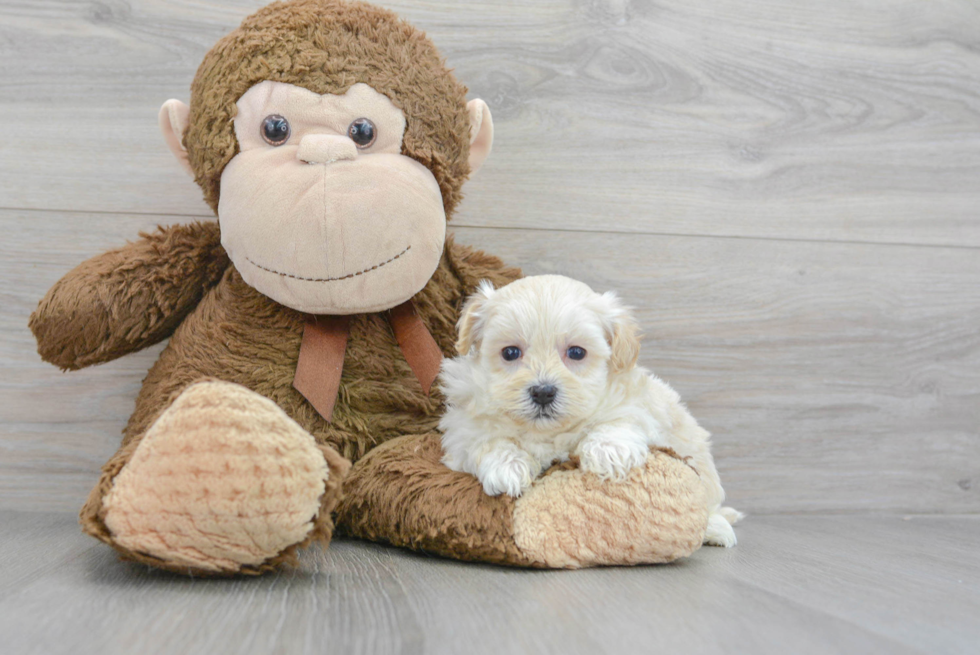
(507, 471)
(719, 531)
(612, 454)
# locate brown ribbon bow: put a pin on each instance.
(321, 354)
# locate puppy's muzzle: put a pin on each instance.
(543, 395)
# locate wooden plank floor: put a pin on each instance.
(788, 192)
(793, 585)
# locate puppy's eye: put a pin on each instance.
(510, 353)
(362, 132)
(576, 353)
(275, 130)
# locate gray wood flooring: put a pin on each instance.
(794, 584)
(788, 192)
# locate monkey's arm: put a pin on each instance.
(129, 298)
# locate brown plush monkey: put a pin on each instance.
(332, 142)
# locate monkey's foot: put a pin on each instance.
(223, 482)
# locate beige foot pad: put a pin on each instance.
(401, 494)
(222, 482)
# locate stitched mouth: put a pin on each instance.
(329, 279)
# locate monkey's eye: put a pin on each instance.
(275, 130)
(362, 132)
(510, 353)
(576, 352)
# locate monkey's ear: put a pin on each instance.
(473, 318)
(481, 133)
(174, 118)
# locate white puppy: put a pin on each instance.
(547, 369)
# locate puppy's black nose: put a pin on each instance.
(543, 394)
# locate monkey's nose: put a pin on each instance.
(543, 394)
(325, 149)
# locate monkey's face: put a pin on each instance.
(319, 210)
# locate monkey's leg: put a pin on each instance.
(222, 482)
(401, 493)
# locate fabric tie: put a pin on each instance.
(321, 354)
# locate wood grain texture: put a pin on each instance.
(822, 121)
(805, 579)
(835, 377)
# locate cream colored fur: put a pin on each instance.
(608, 412)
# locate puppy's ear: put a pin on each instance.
(473, 318)
(622, 331)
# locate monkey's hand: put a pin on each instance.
(129, 298)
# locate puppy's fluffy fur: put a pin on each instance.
(606, 410)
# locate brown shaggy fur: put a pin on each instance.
(128, 298)
(327, 46)
(403, 495)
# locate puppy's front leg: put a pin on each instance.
(506, 468)
(612, 450)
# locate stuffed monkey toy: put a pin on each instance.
(308, 323)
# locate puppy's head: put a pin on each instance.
(546, 347)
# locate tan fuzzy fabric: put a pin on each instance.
(400, 493)
(223, 479)
(214, 491)
(327, 46)
(570, 519)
